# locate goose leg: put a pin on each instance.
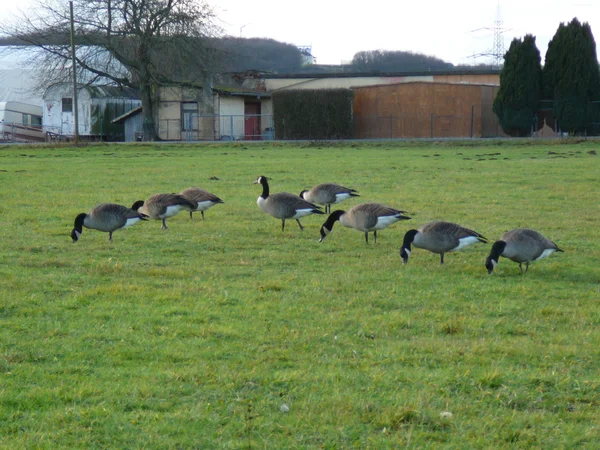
(375, 237)
(282, 224)
(164, 225)
(328, 209)
(110, 236)
(521, 267)
(300, 225)
(441, 258)
(526, 266)
(367, 237)
(202, 212)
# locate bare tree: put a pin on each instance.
(141, 44)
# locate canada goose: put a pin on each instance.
(439, 237)
(203, 198)
(162, 206)
(521, 245)
(107, 217)
(284, 205)
(328, 194)
(364, 217)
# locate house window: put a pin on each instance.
(25, 119)
(67, 104)
(189, 116)
(36, 121)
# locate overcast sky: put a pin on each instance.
(337, 29)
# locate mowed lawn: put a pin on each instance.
(229, 333)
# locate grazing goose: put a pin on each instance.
(284, 205)
(107, 217)
(203, 198)
(521, 245)
(162, 206)
(328, 194)
(364, 217)
(439, 237)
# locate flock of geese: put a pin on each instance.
(521, 245)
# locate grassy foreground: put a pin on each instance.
(229, 333)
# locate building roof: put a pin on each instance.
(427, 82)
(128, 114)
(378, 74)
(111, 91)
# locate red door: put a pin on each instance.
(252, 121)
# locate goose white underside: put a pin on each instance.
(384, 222)
(203, 206)
(545, 254)
(465, 242)
(341, 197)
(302, 213)
(131, 221)
(172, 211)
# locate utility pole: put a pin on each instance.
(75, 115)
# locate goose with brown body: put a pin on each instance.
(328, 194)
(203, 199)
(163, 206)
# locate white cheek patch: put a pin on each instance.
(494, 263)
(407, 251)
(78, 234)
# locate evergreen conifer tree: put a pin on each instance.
(571, 77)
(520, 87)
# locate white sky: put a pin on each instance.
(337, 29)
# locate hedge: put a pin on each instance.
(313, 114)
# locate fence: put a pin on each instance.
(19, 132)
(415, 126)
(197, 127)
(401, 126)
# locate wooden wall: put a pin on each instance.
(425, 109)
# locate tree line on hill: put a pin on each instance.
(564, 93)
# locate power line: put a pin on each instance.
(497, 51)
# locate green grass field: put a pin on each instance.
(228, 333)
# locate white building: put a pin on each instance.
(97, 106)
